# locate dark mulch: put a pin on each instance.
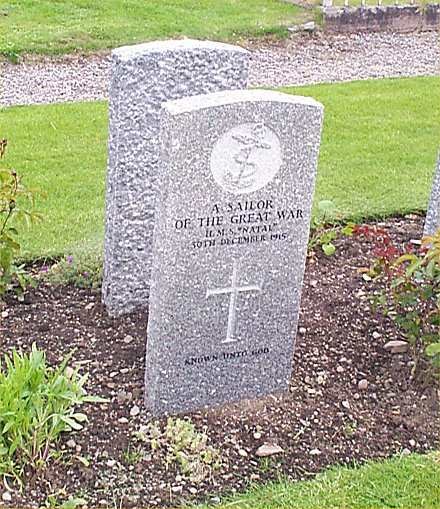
(325, 419)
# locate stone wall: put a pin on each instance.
(395, 18)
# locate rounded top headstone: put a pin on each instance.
(197, 102)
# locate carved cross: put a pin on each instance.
(234, 290)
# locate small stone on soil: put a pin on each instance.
(71, 444)
(124, 396)
(396, 346)
(6, 497)
(310, 26)
(69, 372)
(363, 385)
(135, 410)
(315, 452)
(268, 450)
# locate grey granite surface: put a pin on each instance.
(432, 221)
(143, 77)
(229, 246)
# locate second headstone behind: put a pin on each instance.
(143, 77)
(432, 221)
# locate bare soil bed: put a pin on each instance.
(327, 418)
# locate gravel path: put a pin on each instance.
(298, 61)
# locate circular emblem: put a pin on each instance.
(246, 158)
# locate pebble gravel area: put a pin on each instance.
(302, 59)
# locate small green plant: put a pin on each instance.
(54, 500)
(184, 446)
(16, 207)
(37, 404)
(326, 228)
(266, 464)
(410, 276)
(73, 503)
(132, 456)
(83, 270)
(350, 429)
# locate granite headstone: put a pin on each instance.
(143, 77)
(230, 246)
(432, 221)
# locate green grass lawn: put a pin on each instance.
(63, 26)
(379, 145)
(62, 150)
(377, 157)
(408, 483)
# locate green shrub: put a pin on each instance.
(16, 207)
(37, 404)
(410, 277)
